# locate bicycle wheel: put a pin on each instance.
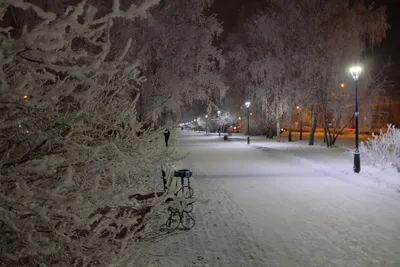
(173, 221)
(187, 221)
(189, 207)
(186, 192)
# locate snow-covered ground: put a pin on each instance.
(282, 204)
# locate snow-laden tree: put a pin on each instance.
(296, 51)
(383, 150)
(178, 57)
(224, 119)
(340, 103)
(271, 59)
(337, 34)
(72, 150)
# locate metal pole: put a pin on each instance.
(248, 126)
(357, 166)
(301, 124)
(206, 125)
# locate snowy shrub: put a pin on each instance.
(71, 148)
(382, 150)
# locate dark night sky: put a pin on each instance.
(227, 12)
(390, 47)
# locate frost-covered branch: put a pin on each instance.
(71, 148)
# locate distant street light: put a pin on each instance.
(206, 123)
(342, 85)
(219, 130)
(248, 122)
(355, 72)
(300, 122)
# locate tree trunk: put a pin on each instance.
(314, 117)
(290, 113)
(278, 130)
(327, 134)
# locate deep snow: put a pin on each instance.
(282, 204)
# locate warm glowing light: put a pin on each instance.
(342, 85)
(239, 118)
(297, 107)
(26, 97)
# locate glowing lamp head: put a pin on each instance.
(355, 72)
(219, 112)
(247, 104)
(206, 116)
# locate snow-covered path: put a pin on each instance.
(271, 207)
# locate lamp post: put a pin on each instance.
(198, 124)
(300, 122)
(248, 122)
(206, 124)
(355, 72)
(219, 130)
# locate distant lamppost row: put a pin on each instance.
(355, 72)
(206, 124)
(248, 122)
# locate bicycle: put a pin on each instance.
(180, 216)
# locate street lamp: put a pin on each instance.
(355, 72)
(219, 131)
(206, 123)
(248, 122)
(300, 122)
